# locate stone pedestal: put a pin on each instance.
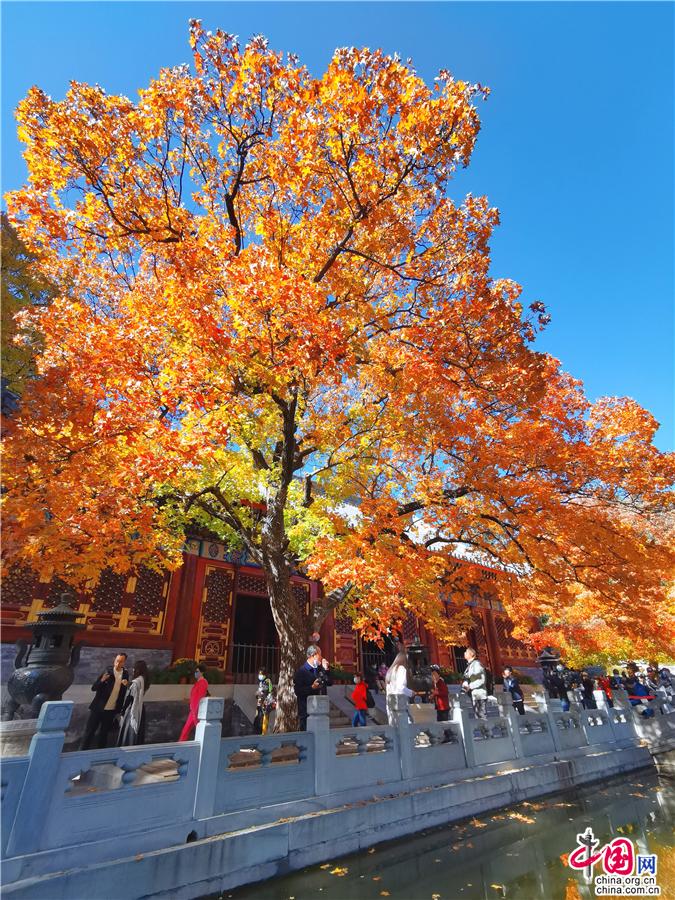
(15, 737)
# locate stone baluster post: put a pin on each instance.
(399, 706)
(41, 781)
(318, 723)
(553, 708)
(208, 736)
(514, 719)
(462, 714)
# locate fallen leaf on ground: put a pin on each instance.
(564, 857)
(384, 893)
(371, 850)
(339, 871)
(326, 866)
(478, 824)
(377, 878)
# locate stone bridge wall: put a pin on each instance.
(189, 819)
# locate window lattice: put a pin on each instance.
(18, 587)
(56, 588)
(148, 598)
(343, 625)
(218, 589)
(109, 592)
(409, 627)
(251, 584)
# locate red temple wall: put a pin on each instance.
(193, 611)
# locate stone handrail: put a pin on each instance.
(64, 810)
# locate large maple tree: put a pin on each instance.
(273, 321)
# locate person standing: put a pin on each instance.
(310, 680)
(132, 729)
(605, 685)
(588, 698)
(396, 683)
(439, 694)
(475, 684)
(110, 688)
(198, 691)
(615, 681)
(360, 701)
(264, 703)
(512, 685)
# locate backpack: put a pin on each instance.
(370, 700)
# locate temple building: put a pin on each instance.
(215, 609)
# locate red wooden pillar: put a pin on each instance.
(192, 631)
(186, 613)
(492, 641)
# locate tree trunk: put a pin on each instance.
(291, 627)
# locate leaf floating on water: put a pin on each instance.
(384, 893)
(564, 857)
(377, 878)
(527, 820)
(435, 897)
(340, 871)
(572, 890)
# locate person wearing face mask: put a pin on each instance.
(311, 678)
(198, 691)
(264, 703)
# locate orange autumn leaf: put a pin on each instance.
(572, 890)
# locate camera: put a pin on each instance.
(322, 678)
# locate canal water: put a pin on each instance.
(519, 852)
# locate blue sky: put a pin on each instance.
(576, 148)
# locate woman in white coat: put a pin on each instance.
(396, 682)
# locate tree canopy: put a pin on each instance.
(22, 287)
(273, 320)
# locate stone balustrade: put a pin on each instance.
(67, 812)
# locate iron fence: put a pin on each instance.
(248, 659)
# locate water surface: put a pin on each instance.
(518, 852)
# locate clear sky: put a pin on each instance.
(576, 148)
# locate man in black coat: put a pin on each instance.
(512, 685)
(311, 679)
(110, 688)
